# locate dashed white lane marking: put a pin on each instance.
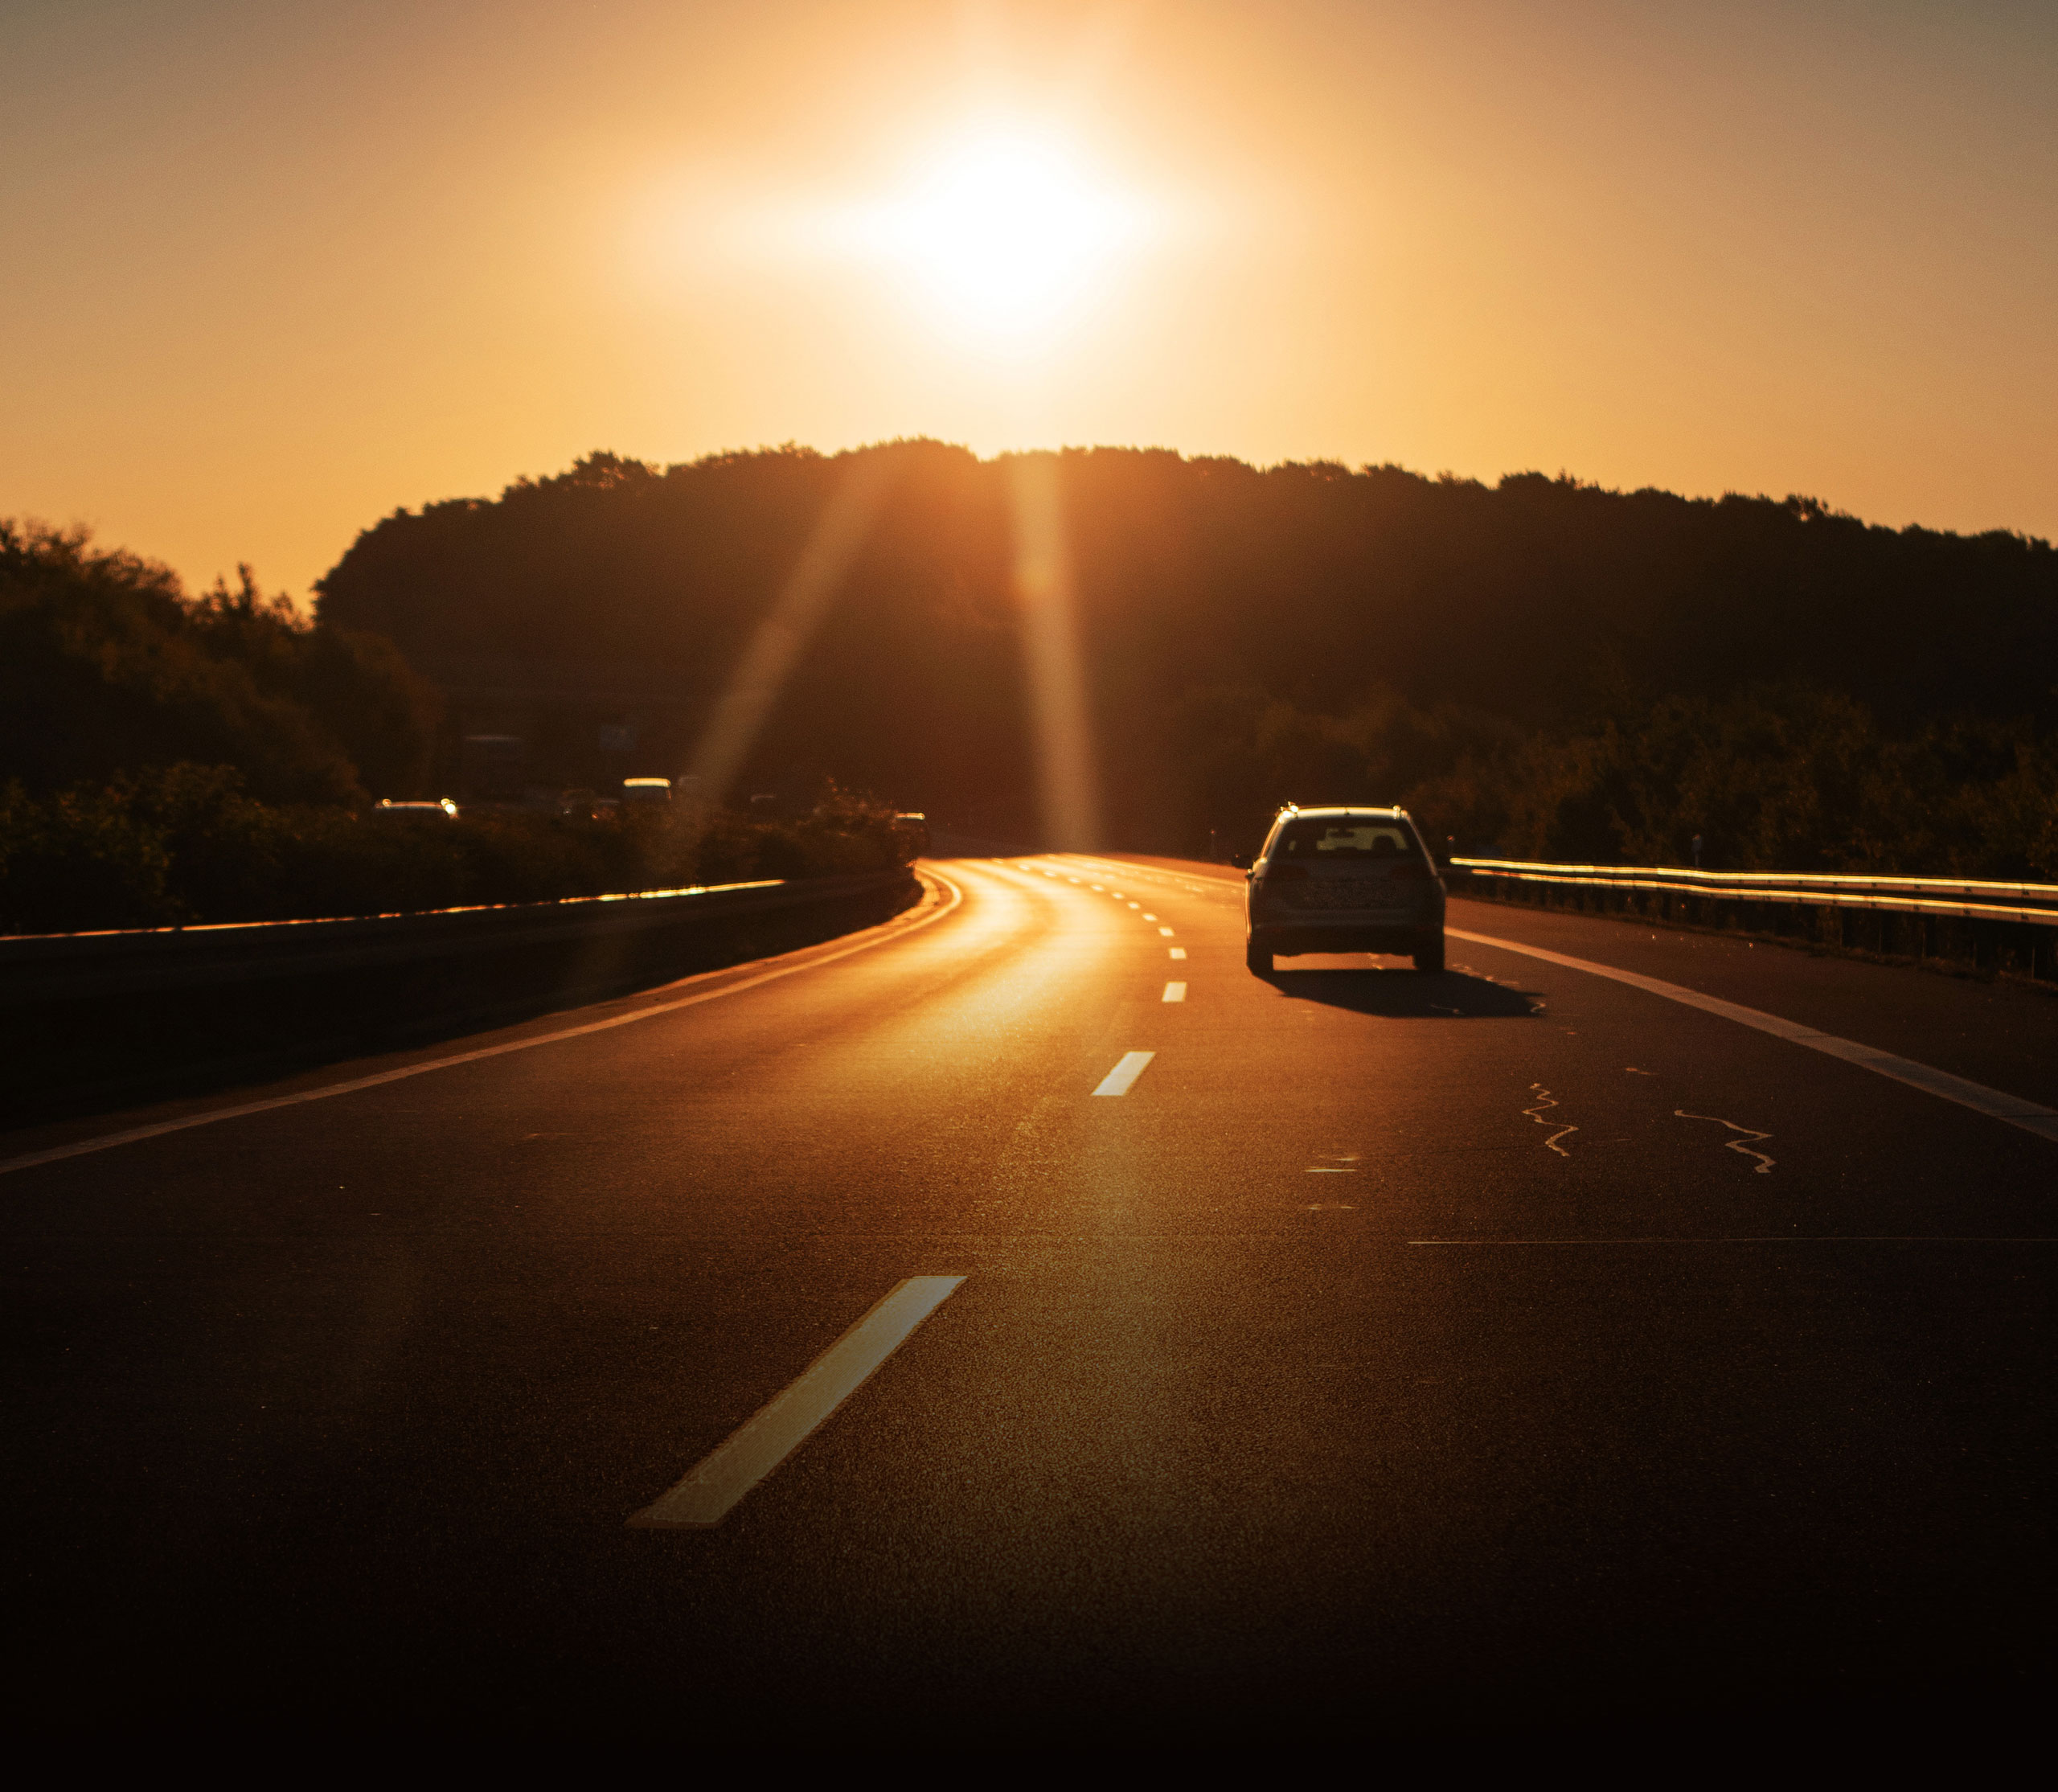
(1147, 917)
(1166, 932)
(107, 1141)
(1136, 905)
(1992, 1102)
(1178, 951)
(720, 1480)
(1175, 992)
(1123, 1078)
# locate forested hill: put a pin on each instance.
(1375, 632)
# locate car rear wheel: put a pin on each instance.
(1259, 958)
(1431, 957)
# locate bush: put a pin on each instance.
(187, 844)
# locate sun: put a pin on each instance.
(1006, 235)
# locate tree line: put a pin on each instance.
(1540, 667)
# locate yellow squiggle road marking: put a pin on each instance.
(1763, 1167)
(1545, 1099)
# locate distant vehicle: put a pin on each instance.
(654, 792)
(443, 809)
(913, 830)
(1343, 880)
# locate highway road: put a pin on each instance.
(1020, 1323)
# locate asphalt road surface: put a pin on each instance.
(1503, 1349)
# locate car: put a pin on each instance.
(1347, 880)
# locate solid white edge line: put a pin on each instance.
(1175, 992)
(1123, 1078)
(1994, 1104)
(107, 1142)
(714, 1485)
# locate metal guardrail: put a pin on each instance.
(81, 1012)
(219, 952)
(2034, 904)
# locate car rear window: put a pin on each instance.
(1350, 837)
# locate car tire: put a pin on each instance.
(1258, 959)
(1430, 956)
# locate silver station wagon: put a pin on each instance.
(1344, 880)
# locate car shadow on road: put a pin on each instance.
(1406, 994)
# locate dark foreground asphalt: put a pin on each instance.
(1501, 1350)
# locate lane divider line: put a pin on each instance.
(2031, 1116)
(1178, 951)
(107, 1142)
(714, 1485)
(1175, 992)
(1166, 932)
(1123, 1078)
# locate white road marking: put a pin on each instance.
(1123, 1078)
(1545, 1099)
(1139, 905)
(108, 1140)
(1175, 992)
(1763, 1167)
(1992, 1102)
(1178, 951)
(1147, 917)
(1097, 887)
(717, 1481)
(1166, 932)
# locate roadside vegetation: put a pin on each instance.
(167, 760)
(1774, 777)
(187, 844)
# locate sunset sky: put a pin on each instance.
(272, 271)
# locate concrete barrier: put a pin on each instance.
(89, 1019)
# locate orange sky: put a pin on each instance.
(270, 271)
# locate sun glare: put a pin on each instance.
(1006, 235)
